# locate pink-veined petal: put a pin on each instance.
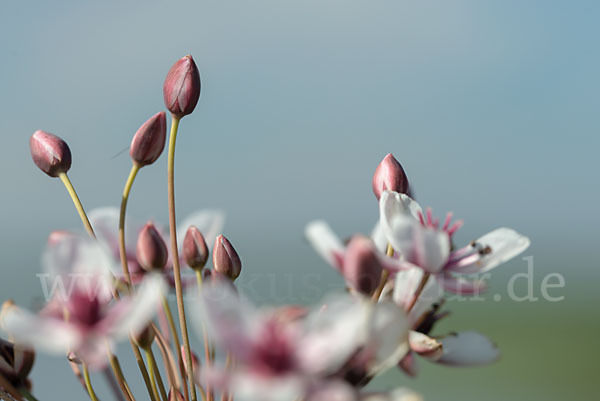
(379, 238)
(463, 286)
(105, 221)
(393, 203)
(468, 348)
(389, 336)
(47, 334)
(409, 364)
(132, 314)
(334, 333)
(502, 245)
(228, 320)
(248, 386)
(325, 242)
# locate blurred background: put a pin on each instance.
(491, 107)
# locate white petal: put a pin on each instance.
(379, 238)
(389, 335)
(334, 333)
(325, 242)
(248, 386)
(504, 243)
(209, 222)
(468, 348)
(46, 334)
(405, 285)
(432, 294)
(78, 258)
(463, 286)
(105, 221)
(425, 247)
(132, 315)
(393, 203)
(228, 320)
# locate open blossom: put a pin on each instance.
(106, 224)
(82, 317)
(421, 243)
(282, 359)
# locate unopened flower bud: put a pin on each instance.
(362, 268)
(152, 252)
(390, 176)
(15, 363)
(181, 89)
(149, 140)
(175, 395)
(195, 251)
(50, 153)
(226, 261)
(72, 357)
(145, 338)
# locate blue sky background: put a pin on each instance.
(491, 106)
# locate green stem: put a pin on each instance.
(77, 202)
(175, 256)
(155, 374)
(88, 383)
(207, 350)
(122, 250)
(384, 276)
(176, 344)
(143, 370)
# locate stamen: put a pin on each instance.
(458, 224)
(447, 221)
(429, 217)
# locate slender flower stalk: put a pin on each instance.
(155, 374)
(177, 346)
(88, 383)
(77, 202)
(135, 168)
(118, 372)
(385, 275)
(175, 255)
(208, 357)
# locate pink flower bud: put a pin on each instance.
(145, 338)
(181, 89)
(175, 395)
(362, 268)
(50, 153)
(226, 261)
(149, 140)
(390, 176)
(195, 251)
(152, 252)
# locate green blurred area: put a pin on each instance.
(549, 351)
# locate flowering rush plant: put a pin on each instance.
(115, 278)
